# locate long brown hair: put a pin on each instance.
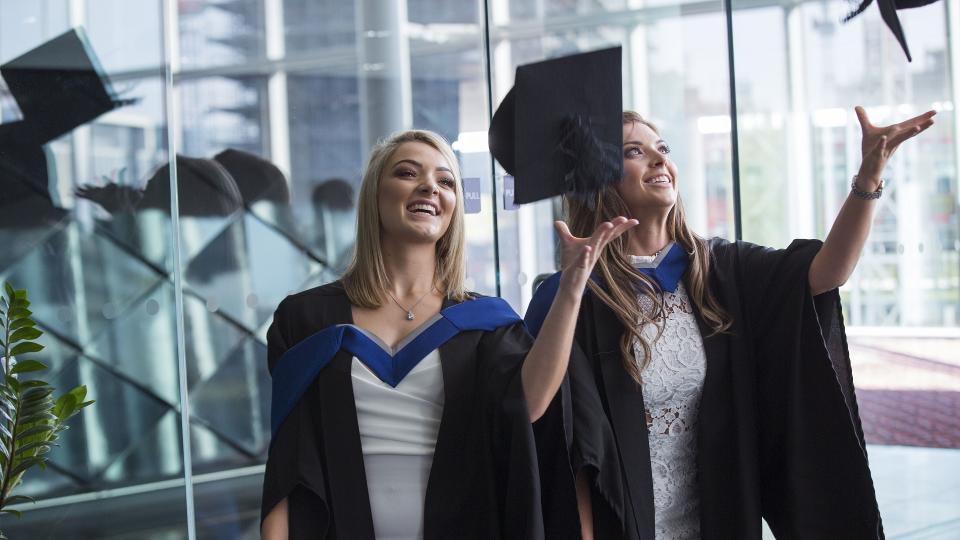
(365, 280)
(622, 282)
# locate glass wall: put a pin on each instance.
(156, 289)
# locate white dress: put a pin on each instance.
(672, 385)
(398, 433)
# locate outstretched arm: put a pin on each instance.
(841, 250)
(546, 363)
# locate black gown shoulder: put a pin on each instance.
(483, 481)
(779, 435)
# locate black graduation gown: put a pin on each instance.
(483, 481)
(779, 435)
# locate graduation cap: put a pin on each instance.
(58, 86)
(256, 178)
(560, 128)
(204, 189)
(888, 11)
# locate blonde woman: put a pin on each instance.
(402, 404)
(709, 381)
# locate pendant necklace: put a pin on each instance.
(410, 315)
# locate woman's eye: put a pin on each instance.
(633, 151)
(664, 149)
(448, 182)
(405, 172)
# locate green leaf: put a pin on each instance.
(19, 312)
(19, 499)
(44, 405)
(9, 288)
(36, 417)
(35, 383)
(46, 430)
(25, 334)
(22, 323)
(40, 448)
(26, 463)
(20, 303)
(38, 430)
(13, 383)
(66, 406)
(5, 431)
(26, 366)
(20, 293)
(79, 392)
(41, 403)
(32, 393)
(26, 347)
(16, 513)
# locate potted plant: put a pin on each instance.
(31, 418)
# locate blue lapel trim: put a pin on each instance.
(298, 368)
(670, 270)
(667, 274)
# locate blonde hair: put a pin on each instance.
(619, 290)
(365, 280)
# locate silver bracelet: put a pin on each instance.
(868, 195)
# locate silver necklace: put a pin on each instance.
(410, 315)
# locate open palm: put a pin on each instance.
(880, 142)
(579, 255)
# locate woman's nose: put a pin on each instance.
(429, 185)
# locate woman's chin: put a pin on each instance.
(417, 234)
(664, 202)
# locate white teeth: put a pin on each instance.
(416, 207)
(662, 179)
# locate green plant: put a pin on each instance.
(30, 417)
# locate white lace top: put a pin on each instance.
(672, 385)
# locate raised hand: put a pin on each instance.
(838, 257)
(880, 142)
(579, 255)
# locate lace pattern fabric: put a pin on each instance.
(672, 385)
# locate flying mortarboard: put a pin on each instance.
(560, 128)
(888, 11)
(60, 85)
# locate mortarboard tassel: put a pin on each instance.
(590, 162)
(888, 11)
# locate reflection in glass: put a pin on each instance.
(75, 164)
(277, 102)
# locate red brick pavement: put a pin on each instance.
(905, 399)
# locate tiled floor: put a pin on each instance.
(909, 395)
(918, 490)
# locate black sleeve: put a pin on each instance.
(815, 476)
(502, 352)
(278, 337)
(294, 470)
(575, 436)
(594, 450)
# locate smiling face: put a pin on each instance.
(417, 195)
(649, 177)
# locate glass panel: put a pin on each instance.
(270, 169)
(220, 33)
(86, 230)
(799, 74)
(674, 73)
